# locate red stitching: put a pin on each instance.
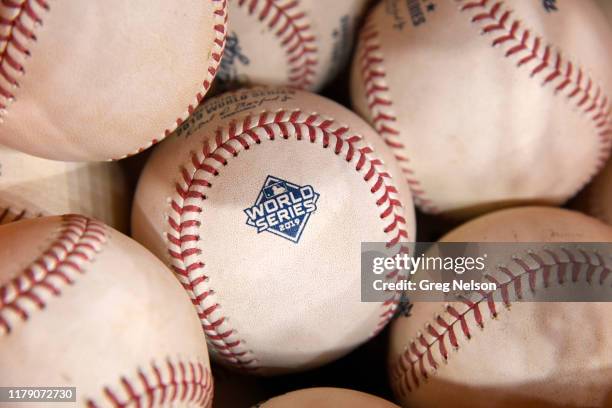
(392, 303)
(293, 31)
(220, 30)
(197, 177)
(18, 21)
(26, 16)
(380, 106)
(421, 357)
(9, 214)
(170, 383)
(532, 53)
(77, 242)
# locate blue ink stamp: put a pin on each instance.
(282, 208)
(229, 70)
(550, 5)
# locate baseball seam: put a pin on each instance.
(78, 240)
(392, 303)
(196, 177)
(531, 52)
(27, 15)
(292, 27)
(543, 61)
(219, 31)
(533, 271)
(169, 383)
(9, 214)
(16, 34)
(380, 106)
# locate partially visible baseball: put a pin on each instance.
(596, 198)
(260, 203)
(31, 187)
(523, 354)
(488, 104)
(102, 79)
(303, 43)
(326, 398)
(82, 305)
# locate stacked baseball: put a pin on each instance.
(239, 236)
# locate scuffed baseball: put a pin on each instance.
(274, 296)
(102, 79)
(31, 187)
(326, 398)
(528, 354)
(302, 43)
(488, 104)
(82, 305)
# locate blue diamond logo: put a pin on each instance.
(282, 208)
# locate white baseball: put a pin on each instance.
(31, 187)
(326, 398)
(519, 354)
(259, 203)
(102, 79)
(82, 305)
(488, 103)
(303, 43)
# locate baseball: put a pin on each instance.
(303, 43)
(326, 398)
(259, 203)
(83, 306)
(488, 103)
(31, 187)
(102, 79)
(529, 353)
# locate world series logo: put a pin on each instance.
(282, 208)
